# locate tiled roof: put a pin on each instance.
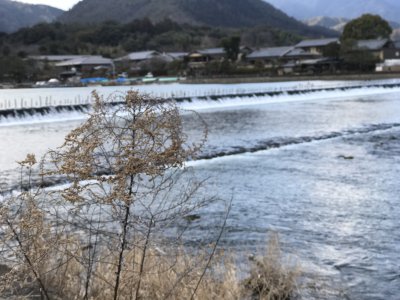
(316, 43)
(89, 60)
(269, 52)
(295, 52)
(138, 56)
(372, 44)
(212, 51)
(177, 54)
(56, 58)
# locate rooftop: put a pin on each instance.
(372, 44)
(270, 52)
(88, 60)
(176, 55)
(138, 56)
(56, 58)
(316, 43)
(212, 51)
(296, 52)
(317, 61)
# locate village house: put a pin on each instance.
(85, 65)
(392, 59)
(393, 52)
(135, 61)
(267, 57)
(316, 47)
(198, 58)
(317, 66)
(293, 59)
(380, 48)
(300, 61)
(49, 62)
(139, 56)
(52, 60)
(297, 55)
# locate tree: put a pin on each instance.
(6, 51)
(231, 47)
(331, 50)
(367, 27)
(355, 58)
(13, 68)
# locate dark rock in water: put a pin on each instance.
(347, 157)
(191, 218)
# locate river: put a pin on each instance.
(320, 169)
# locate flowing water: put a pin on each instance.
(321, 170)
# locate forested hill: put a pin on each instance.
(114, 39)
(15, 15)
(220, 13)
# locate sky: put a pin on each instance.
(63, 4)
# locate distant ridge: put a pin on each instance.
(338, 24)
(216, 13)
(15, 15)
(350, 9)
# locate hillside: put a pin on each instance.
(388, 9)
(216, 13)
(15, 15)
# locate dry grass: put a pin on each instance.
(166, 276)
(271, 277)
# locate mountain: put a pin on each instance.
(350, 9)
(15, 15)
(338, 24)
(215, 13)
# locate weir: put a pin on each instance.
(80, 106)
(7, 185)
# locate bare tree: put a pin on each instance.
(124, 164)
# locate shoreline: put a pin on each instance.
(266, 79)
(237, 80)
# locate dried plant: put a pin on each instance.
(26, 240)
(270, 277)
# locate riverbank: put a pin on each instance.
(228, 80)
(261, 79)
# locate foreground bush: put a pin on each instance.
(102, 235)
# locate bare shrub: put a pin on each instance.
(25, 241)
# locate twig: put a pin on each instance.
(214, 249)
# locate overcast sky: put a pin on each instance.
(63, 4)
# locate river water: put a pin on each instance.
(321, 170)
